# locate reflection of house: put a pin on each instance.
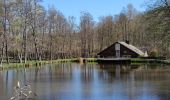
(121, 49)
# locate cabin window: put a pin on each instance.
(117, 53)
(117, 49)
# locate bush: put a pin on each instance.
(153, 53)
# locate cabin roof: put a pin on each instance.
(129, 46)
(133, 48)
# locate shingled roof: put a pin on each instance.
(133, 48)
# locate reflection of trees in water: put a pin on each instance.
(46, 75)
(115, 71)
(152, 73)
(138, 72)
(55, 72)
(63, 71)
(155, 77)
(133, 78)
(87, 72)
(7, 81)
(149, 80)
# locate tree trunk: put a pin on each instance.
(2, 56)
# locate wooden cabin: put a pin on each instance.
(121, 50)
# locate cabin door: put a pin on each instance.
(117, 49)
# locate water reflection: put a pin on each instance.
(91, 82)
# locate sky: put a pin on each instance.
(96, 8)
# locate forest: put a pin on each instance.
(28, 31)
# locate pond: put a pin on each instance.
(73, 81)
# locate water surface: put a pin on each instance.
(72, 81)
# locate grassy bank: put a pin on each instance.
(139, 60)
(39, 63)
(88, 60)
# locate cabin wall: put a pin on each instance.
(109, 52)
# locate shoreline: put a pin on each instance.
(29, 64)
(157, 61)
(43, 62)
